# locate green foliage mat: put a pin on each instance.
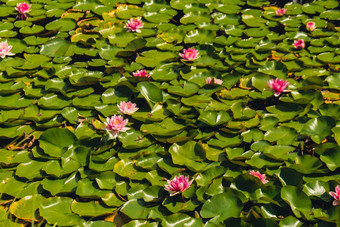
(73, 64)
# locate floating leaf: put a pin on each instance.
(57, 211)
(223, 206)
(53, 141)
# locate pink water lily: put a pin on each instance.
(116, 124)
(210, 80)
(178, 185)
(281, 12)
(23, 8)
(310, 26)
(5, 49)
(134, 25)
(278, 86)
(190, 54)
(300, 43)
(141, 73)
(336, 195)
(257, 174)
(127, 107)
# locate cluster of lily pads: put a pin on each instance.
(169, 113)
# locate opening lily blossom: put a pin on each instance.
(134, 25)
(281, 12)
(300, 43)
(23, 8)
(257, 174)
(190, 54)
(336, 195)
(178, 185)
(310, 26)
(278, 86)
(127, 107)
(141, 73)
(5, 49)
(116, 124)
(210, 80)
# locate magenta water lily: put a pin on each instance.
(116, 124)
(178, 185)
(310, 26)
(336, 195)
(257, 174)
(23, 10)
(278, 85)
(299, 44)
(210, 80)
(5, 49)
(127, 107)
(141, 73)
(190, 54)
(134, 25)
(281, 12)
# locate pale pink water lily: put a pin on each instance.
(281, 12)
(300, 43)
(190, 54)
(127, 107)
(141, 73)
(210, 80)
(336, 195)
(23, 8)
(5, 49)
(257, 174)
(116, 124)
(178, 185)
(310, 26)
(278, 86)
(134, 25)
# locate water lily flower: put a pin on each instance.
(127, 107)
(116, 124)
(178, 185)
(257, 174)
(134, 25)
(310, 26)
(210, 80)
(190, 54)
(141, 73)
(281, 12)
(5, 49)
(300, 43)
(23, 8)
(278, 86)
(336, 195)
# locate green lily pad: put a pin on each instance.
(56, 47)
(62, 25)
(180, 219)
(54, 140)
(189, 154)
(25, 208)
(57, 211)
(127, 169)
(274, 68)
(297, 199)
(318, 128)
(214, 118)
(150, 92)
(223, 206)
(331, 158)
(91, 209)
